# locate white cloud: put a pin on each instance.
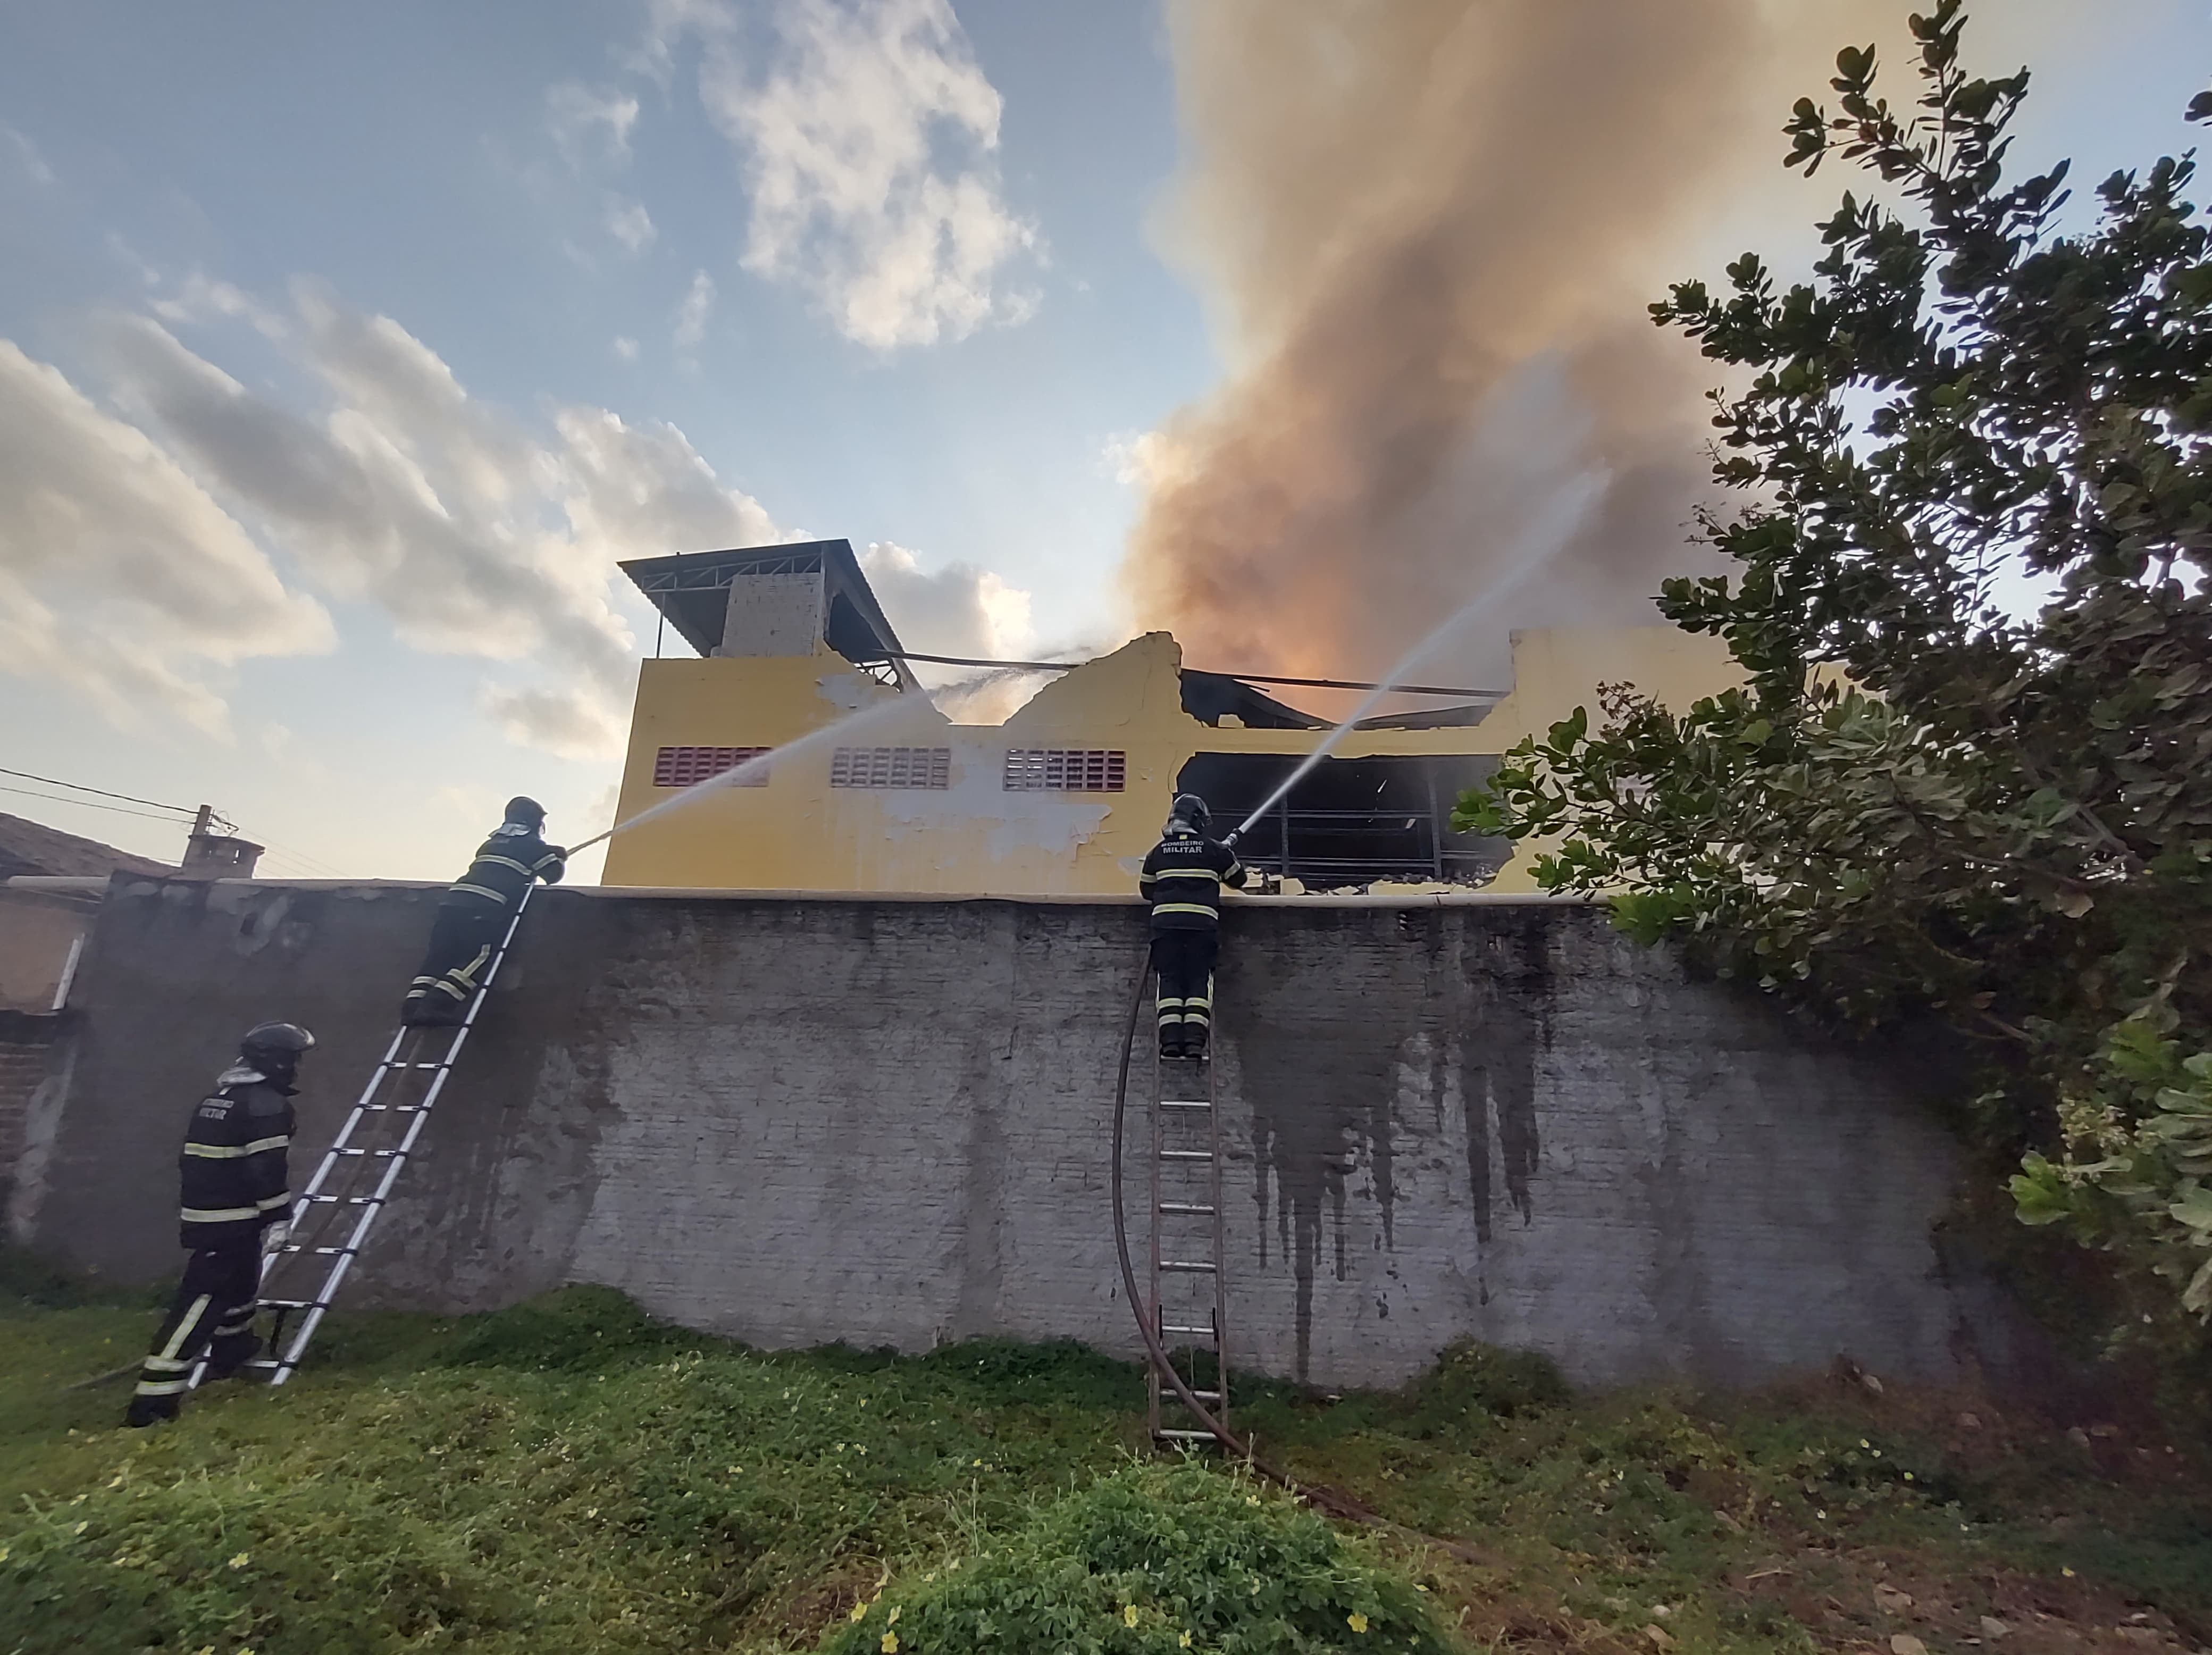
(698, 305)
(129, 565)
(639, 491)
(567, 721)
(1145, 460)
(955, 610)
(199, 299)
(590, 126)
(847, 142)
(119, 576)
(667, 23)
(27, 156)
(629, 223)
(475, 537)
(625, 348)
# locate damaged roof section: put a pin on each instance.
(32, 849)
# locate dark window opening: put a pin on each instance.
(1351, 821)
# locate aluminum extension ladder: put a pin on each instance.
(332, 1216)
(1189, 1296)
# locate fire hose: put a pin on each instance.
(1322, 1498)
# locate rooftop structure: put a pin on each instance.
(1066, 796)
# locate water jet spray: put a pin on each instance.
(1554, 527)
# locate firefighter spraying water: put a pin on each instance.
(474, 914)
(1182, 877)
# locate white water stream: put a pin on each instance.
(852, 724)
(1551, 530)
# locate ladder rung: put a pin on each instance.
(294, 1247)
(1173, 1103)
(443, 1063)
(1186, 1154)
(342, 1150)
(265, 1362)
(1203, 1333)
(1186, 1208)
(293, 1303)
(395, 1109)
(347, 1200)
(1169, 1434)
(1185, 1264)
(1168, 1395)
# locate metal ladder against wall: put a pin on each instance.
(1189, 1295)
(332, 1216)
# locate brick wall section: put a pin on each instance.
(27, 1041)
(798, 1120)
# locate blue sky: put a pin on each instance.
(347, 347)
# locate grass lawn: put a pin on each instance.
(571, 1476)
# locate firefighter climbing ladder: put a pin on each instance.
(1189, 1299)
(332, 1216)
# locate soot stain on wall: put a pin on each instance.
(1402, 990)
(1322, 1089)
(1505, 977)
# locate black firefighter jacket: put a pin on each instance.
(1182, 877)
(506, 865)
(233, 1167)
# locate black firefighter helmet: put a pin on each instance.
(1190, 810)
(525, 810)
(275, 1048)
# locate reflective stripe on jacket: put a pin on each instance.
(233, 1168)
(507, 863)
(1184, 875)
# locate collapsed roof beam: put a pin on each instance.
(1245, 677)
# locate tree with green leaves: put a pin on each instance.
(1921, 804)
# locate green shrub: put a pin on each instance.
(1470, 1381)
(574, 1329)
(1152, 1559)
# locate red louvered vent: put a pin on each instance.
(1065, 770)
(684, 766)
(891, 767)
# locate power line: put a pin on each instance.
(324, 869)
(86, 804)
(79, 786)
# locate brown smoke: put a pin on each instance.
(1430, 228)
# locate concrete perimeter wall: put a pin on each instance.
(800, 1120)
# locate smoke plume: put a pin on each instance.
(1429, 229)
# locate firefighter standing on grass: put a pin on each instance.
(237, 1205)
(473, 915)
(1183, 878)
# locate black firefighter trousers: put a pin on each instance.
(213, 1311)
(1184, 960)
(462, 939)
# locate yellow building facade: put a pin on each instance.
(870, 787)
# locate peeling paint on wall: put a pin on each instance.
(1052, 826)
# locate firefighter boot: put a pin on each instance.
(149, 1410)
(228, 1355)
